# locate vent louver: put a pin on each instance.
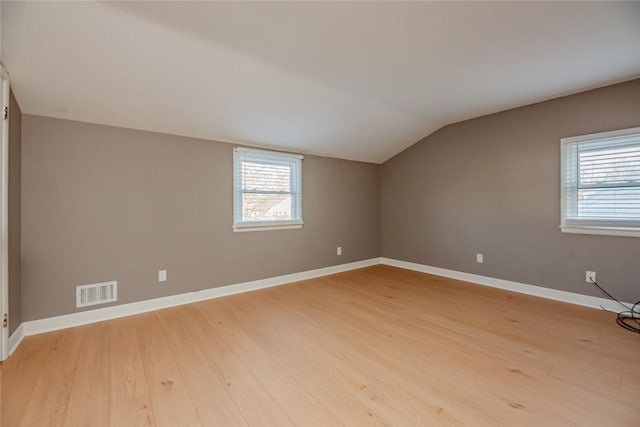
(96, 293)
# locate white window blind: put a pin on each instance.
(267, 189)
(601, 182)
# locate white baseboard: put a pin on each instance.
(523, 288)
(16, 338)
(85, 317)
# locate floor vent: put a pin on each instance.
(97, 293)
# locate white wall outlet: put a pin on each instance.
(590, 276)
(339, 250)
(479, 258)
(162, 275)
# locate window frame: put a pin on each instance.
(239, 225)
(590, 226)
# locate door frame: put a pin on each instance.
(4, 217)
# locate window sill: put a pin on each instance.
(241, 228)
(604, 231)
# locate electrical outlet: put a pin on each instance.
(590, 276)
(479, 258)
(162, 275)
(339, 250)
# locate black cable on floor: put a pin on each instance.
(629, 318)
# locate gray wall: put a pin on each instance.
(492, 185)
(103, 203)
(15, 138)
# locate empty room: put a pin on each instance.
(319, 213)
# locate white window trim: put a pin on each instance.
(245, 228)
(604, 231)
(591, 229)
(237, 194)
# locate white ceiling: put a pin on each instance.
(352, 80)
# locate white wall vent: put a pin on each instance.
(96, 293)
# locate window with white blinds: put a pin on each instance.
(267, 189)
(601, 183)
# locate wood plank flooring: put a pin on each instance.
(378, 346)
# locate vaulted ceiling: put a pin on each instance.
(353, 80)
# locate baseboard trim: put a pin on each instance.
(98, 315)
(523, 288)
(16, 338)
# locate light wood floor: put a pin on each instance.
(373, 347)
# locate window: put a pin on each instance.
(267, 189)
(601, 183)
